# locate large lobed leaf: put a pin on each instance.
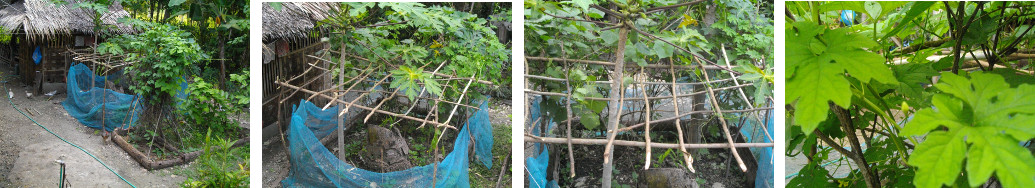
(982, 120)
(817, 60)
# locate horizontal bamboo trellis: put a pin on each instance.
(375, 75)
(617, 98)
(610, 141)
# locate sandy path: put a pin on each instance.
(28, 152)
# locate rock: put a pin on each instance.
(718, 185)
(385, 150)
(668, 177)
(582, 182)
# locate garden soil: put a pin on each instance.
(28, 153)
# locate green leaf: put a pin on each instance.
(582, 4)
(589, 119)
(980, 30)
(812, 175)
(984, 112)
(663, 49)
(873, 9)
(176, 2)
(1013, 165)
(918, 8)
(938, 159)
(817, 60)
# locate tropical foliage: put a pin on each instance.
(924, 94)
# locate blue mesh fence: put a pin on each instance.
(95, 106)
(313, 165)
(537, 166)
(764, 156)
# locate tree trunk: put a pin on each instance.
(697, 121)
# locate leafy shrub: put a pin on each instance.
(210, 108)
(217, 167)
(162, 55)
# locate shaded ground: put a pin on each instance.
(715, 167)
(276, 164)
(28, 152)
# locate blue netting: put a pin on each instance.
(312, 165)
(537, 165)
(764, 155)
(92, 105)
(182, 93)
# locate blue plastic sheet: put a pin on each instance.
(97, 107)
(312, 165)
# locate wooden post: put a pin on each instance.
(341, 123)
(614, 108)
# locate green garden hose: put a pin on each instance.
(10, 97)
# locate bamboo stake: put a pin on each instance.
(646, 118)
(567, 106)
(765, 129)
(725, 127)
(458, 101)
(687, 157)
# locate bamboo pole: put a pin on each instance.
(646, 118)
(589, 141)
(633, 99)
(687, 157)
(361, 106)
(652, 66)
(725, 127)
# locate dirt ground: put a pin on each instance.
(28, 152)
(715, 168)
(276, 165)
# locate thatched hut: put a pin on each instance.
(43, 31)
(289, 36)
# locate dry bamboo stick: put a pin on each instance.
(589, 141)
(567, 106)
(687, 157)
(725, 127)
(395, 92)
(422, 91)
(300, 86)
(458, 100)
(609, 82)
(646, 118)
(652, 66)
(744, 96)
(347, 107)
(633, 99)
(361, 106)
(425, 98)
(690, 113)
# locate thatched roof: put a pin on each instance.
(39, 19)
(293, 19)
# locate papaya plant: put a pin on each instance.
(912, 94)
